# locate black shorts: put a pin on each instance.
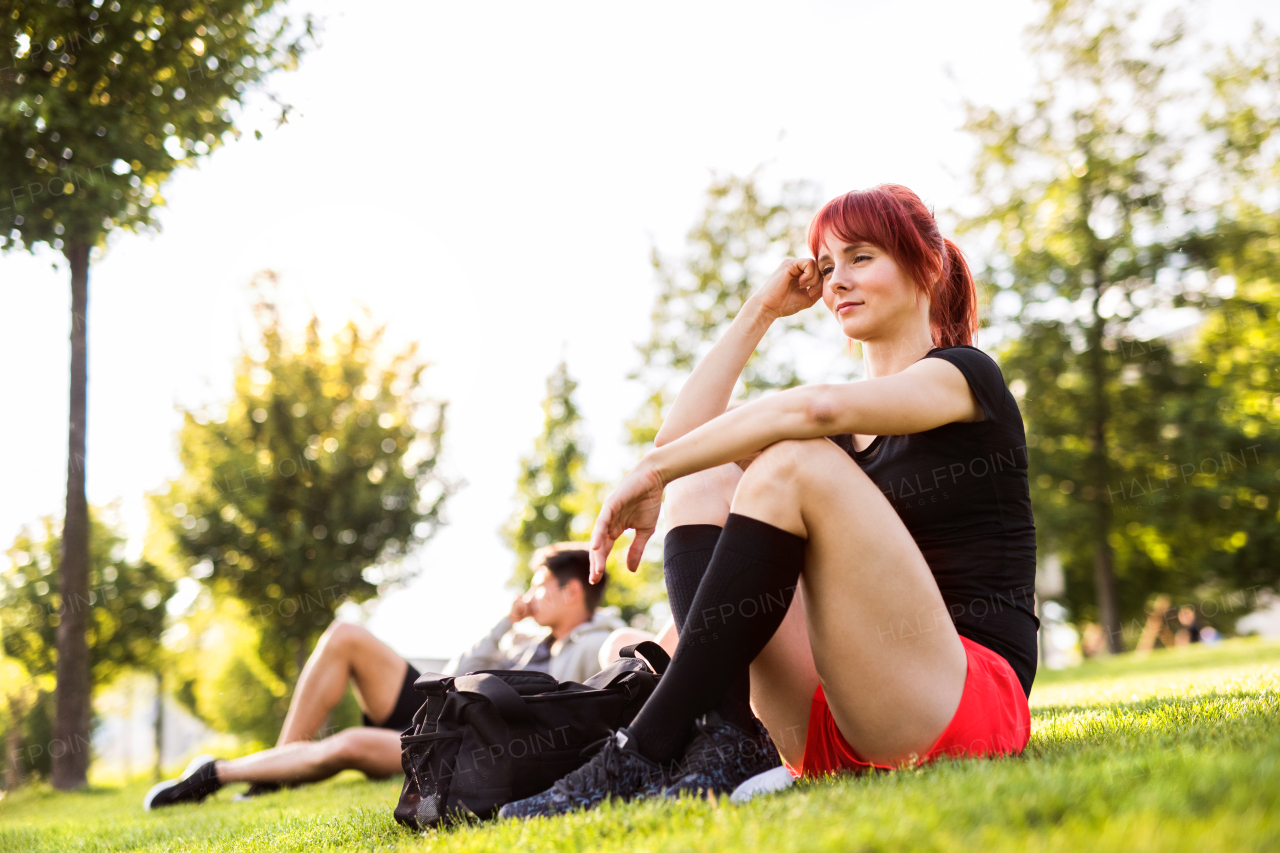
(407, 704)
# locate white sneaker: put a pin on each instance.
(763, 783)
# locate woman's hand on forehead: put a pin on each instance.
(794, 286)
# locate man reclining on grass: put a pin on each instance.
(560, 599)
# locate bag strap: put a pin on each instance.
(432, 682)
(650, 652)
(435, 685)
(509, 703)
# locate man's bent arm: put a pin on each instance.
(486, 654)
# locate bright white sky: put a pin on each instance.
(488, 179)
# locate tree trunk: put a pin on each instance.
(1104, 578)
(70, 748)
(159, 729)
(1099, 477)
(13, 744)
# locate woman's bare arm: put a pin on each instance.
(706, 393)
(928, 394)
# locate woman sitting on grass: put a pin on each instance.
(897, 505)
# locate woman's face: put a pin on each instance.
(869, 294)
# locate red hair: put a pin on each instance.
(894, 218)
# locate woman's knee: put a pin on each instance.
(795, 459)
(778, 465)
(784, 478)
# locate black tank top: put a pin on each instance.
(961, 490)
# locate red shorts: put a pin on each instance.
(992, 719)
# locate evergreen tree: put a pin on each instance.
(558, 502)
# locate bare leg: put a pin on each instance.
(374, 752)
(345, 653)
(701, 498)
(783, 681)
(889, 658)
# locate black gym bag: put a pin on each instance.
(488, 738)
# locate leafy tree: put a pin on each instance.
(220, 677)
(634, 593)
(1093, 212)
(1239, 349)
(310, 485)
(1222, 453)
(741, 236)
(122, 610)
(559, 502)
(1244, 120)
(1193, 517)
(20, 694)
(1154, 385)
(102, 102)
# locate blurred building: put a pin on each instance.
(1265, 621)
(124, 742)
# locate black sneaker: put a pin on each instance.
(198, 781)
(721, 757)
(617, 771)
(256, 789)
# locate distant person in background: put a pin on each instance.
(1093, 640)
(560, 599)
(1159, 615)
(1191, 626)
(568, 647)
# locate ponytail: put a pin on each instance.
(953, 311)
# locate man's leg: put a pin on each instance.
(345, 653)
(374, 752)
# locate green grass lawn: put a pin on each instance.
(1180, 751)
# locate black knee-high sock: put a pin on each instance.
(686, 553)
(740, 603)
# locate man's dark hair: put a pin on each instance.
(567, 561)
